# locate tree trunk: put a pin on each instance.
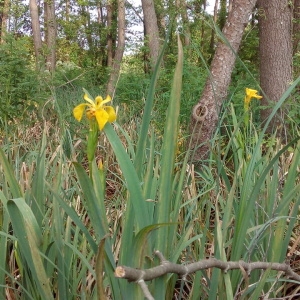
(203, 26)
(50, 34)
(212, 37)
(296, 27)
(67, 10)
(275, 53)
(181, 5)
(151, 30)
(296, 35)
(88, 28)
(205, 113)
(222, 14)
(230, 5)
(101, 31)
(109, 34)
(4, 6)
(119, 51)
(36, 31)
(160, 12)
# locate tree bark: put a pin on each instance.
(222, 14)
(230, 5)
(296, 26)
(160, 12)
(50, 34)
(88, 30)
(4, 17)
(205, 113)
(36, 31)
(296, 35)
(275, 53)
(212, 37)
(182, 8)
(120, 49)
(102, 29)
(110, 52)
(203, 24)
(67, 10)
(151, 30)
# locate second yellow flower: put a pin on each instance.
(96, 109)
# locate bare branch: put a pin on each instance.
(165, 267)
(145, 289)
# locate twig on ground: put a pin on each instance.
(165, 267)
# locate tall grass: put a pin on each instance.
(63, 231)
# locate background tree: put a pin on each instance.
(206, 112)
(182, 8)
(230, 5)
(222, 13)
(296, 36)
(151, 30)
(110, 39)
(275, 53)
(4, 9)
(50, 33)
(212, 38)
(119, 50)
(296, 26)
(162, 10)
(36, 32)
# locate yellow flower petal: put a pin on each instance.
(112, 116)
(101, 117)
(78, 111)
(107, 99)
(252, 94)
(86, 98)
(98, 101)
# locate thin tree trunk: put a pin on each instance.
(230, 5)
(99, 13)
(120, 49)
(4, 17)
(50, 32)
(275, 52)
(206, 112)
(67, 10)
(296, 35)
(109, 34)
(212, 37)
(36, 31)
(151, 30)
(160, 12)
(88, 30)
(181, 4)
(296, 27)
(101, 31)
(222, 14)
(203, 25)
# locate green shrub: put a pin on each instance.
(20, 89)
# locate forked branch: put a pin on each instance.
(140, 276)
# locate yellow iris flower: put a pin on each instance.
(96, 109)
(249, 95)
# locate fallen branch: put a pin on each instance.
(165, 267)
